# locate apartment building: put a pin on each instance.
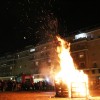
(85, 50)
(43, 59)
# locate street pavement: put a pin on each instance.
(38, 96)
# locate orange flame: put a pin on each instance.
(68, 72)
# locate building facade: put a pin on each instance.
(43, 59)
(85, 50)
(40, 59)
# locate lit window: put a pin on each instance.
(82, 35)
(37, 63)
(10, 68)
(45, 47)
(32, 50)
(24, 37)
(20, 67)
(49, 60)
(18, 56)
(81, 55)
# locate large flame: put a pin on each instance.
(68, 73)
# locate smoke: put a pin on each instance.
(44, 69)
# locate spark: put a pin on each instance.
(24, 38)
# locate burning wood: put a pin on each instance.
(75, 80)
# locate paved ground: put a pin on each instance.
(26, 95)
(95, 92)
(41, 96)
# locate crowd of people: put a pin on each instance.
(10, 85)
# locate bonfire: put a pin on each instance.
(76, 80)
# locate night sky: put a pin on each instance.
(26, 22)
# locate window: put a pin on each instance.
(81, 35)
(24, 65)
(94, 65)
(42, 54)
(81, 55)
(99, 70)
(32, 50)
(31, 58)
(82, 65)
(36, 63)
(49, 62)
(10, 68)
(20, 67)
(10, 62)
(93, 71)
(45, 47)
(47, 54)
(18, 56)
